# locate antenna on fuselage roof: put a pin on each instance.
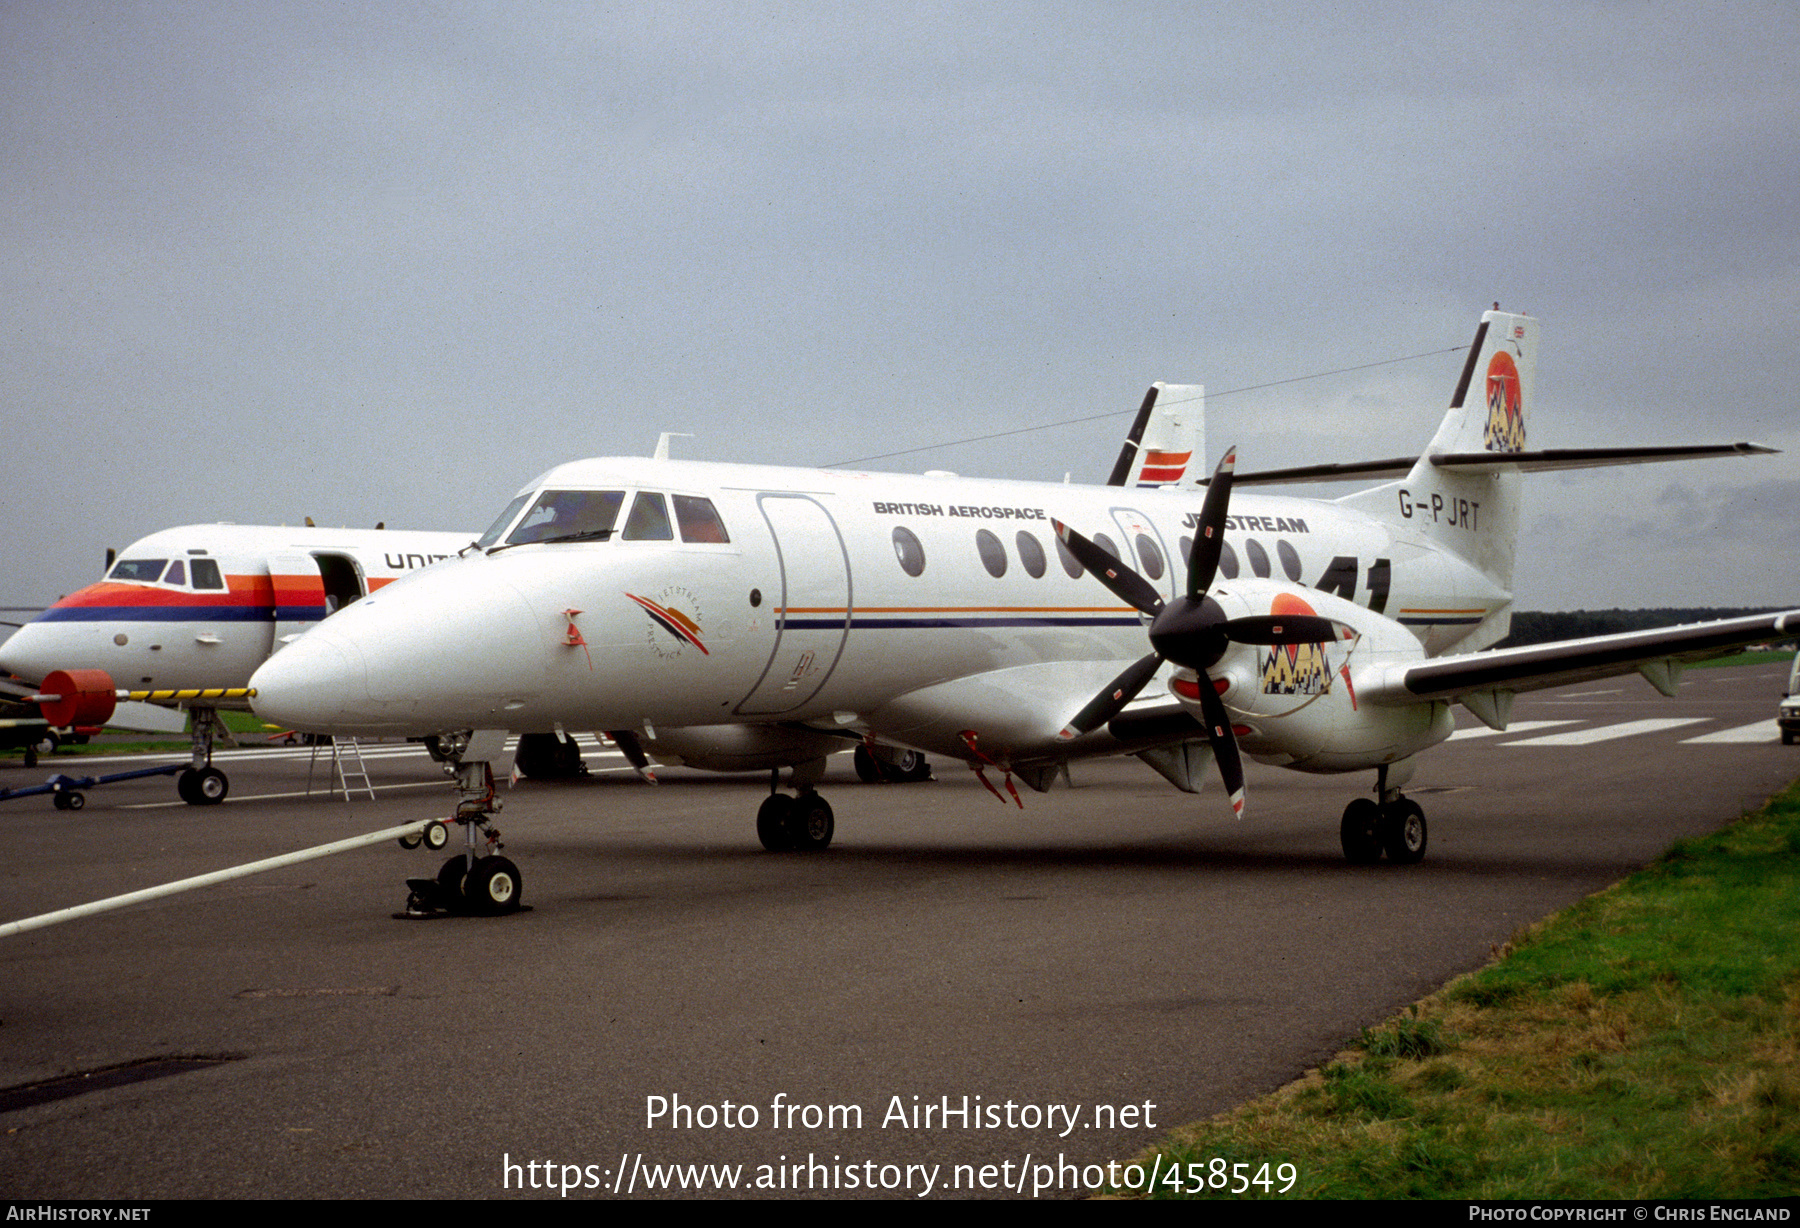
(662, 443)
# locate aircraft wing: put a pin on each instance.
(1485, 681)
(1541, 461)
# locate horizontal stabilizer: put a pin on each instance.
(1540, 461)
(1537, 666)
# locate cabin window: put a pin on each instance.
(993, 554)
(177, 573)
(1228, 563)
(699, 520)
(1106, 543)
(1069, 562)
(910, 553)
(570, 515)
(206, 574)
(649, 519)
(1031, 554)
(1150, 557)
(1290, 560)
(138, 571)
(1259, 558)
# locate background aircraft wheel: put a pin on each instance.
(813, 824)
(450, 882)
(208, 787)
(775, 823)
(1787, 739)
(1403, 832)
(31, 754)
(494, 887)
(1360, 832)
(436, 835)
(867, 770)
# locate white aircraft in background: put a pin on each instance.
(988, 621)
(184, 617)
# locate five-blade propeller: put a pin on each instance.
(1191, 631)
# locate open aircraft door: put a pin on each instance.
(299, 595)
(813, 615)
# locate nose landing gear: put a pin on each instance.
(478, 880)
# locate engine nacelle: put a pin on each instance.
(1295, 705)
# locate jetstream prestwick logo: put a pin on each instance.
(673, 621)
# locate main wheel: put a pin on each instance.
(1360, 832)
(868, 769)
(208, 787)
(813, 824)
(775, 823)
(184, 786)
(494, 887)
(1403, 832)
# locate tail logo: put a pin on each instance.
(1506, 406)
(1295, 669)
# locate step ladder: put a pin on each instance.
(346, 767)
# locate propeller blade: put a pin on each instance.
(1209, 537)
(1108, 703)
(1224, 744)
(1120, 580)
(1282, 629)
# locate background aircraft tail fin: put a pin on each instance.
(1166, 445)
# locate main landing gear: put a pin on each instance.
(890, 765)
(799, 824)
(477, 880)
(1395, 825)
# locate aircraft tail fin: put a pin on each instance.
(1472, 509)
(1166, 445)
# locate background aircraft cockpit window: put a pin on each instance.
(206, 574)
(649, 519)
(909, 551)
(698, 519)
(993, 554)
(499, 526)
(177, 573)
(138, 571)
(567, 514)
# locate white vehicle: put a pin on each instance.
(989, 621)
(1788, 716)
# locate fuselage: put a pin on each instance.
(918, 608)
(201, 606)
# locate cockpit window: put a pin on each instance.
(206, 574)
(649, 520)
(564, 515)
(138, 571)
(499, 526)
(698, 519)
(177, 573)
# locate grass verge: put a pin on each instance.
(1644, 1043)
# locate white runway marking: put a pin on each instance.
(1761, 731)
(1606, 733)
(1482, 731)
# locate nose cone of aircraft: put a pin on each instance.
(56, 639)
(452, 647)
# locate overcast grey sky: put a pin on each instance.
(388, 262)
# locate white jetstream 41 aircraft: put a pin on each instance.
(988, 621)
(184, 617)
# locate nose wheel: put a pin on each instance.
(477, 881)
